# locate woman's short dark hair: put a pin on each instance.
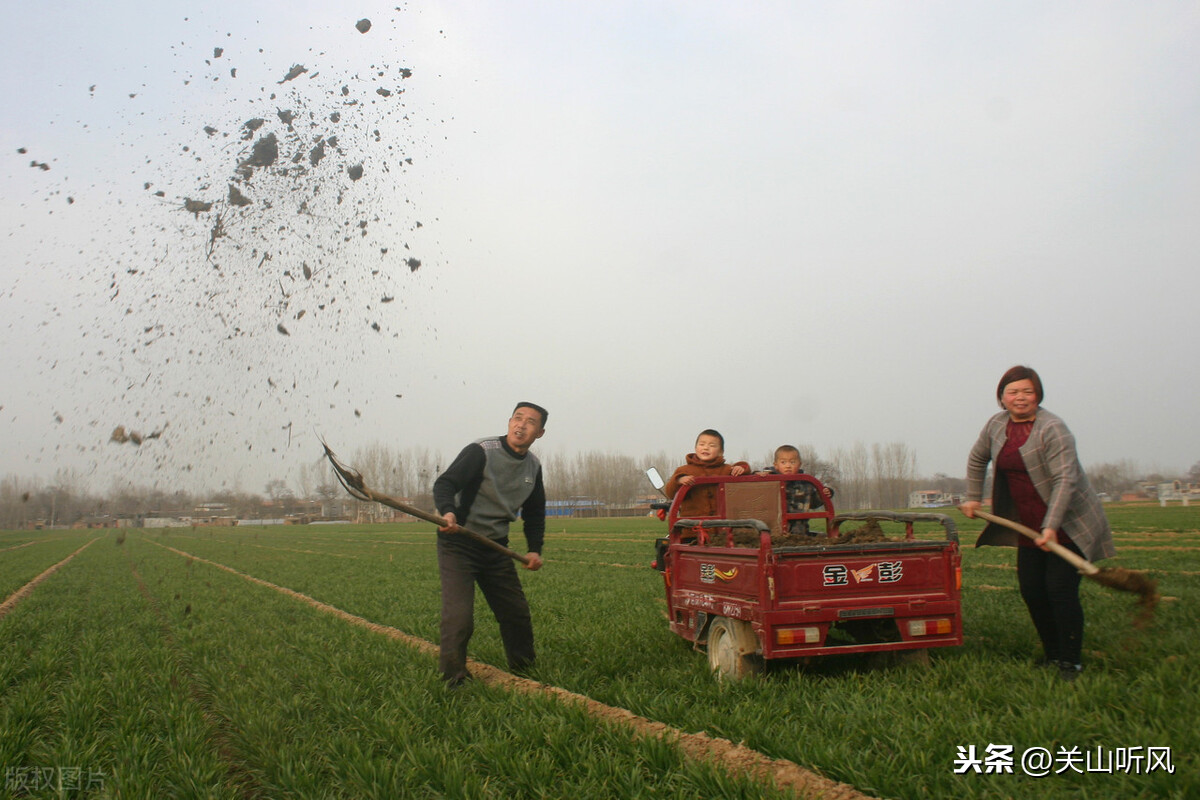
(1019, 373)
(714, 434)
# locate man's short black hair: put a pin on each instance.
(545, 414)
(714, 434)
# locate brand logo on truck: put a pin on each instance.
(709, 574)
(883, 571)
(863, 575)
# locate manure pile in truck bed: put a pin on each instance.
(870, 531)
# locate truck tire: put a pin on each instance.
(732, 649)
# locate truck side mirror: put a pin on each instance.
(656, 479)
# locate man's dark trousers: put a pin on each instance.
(461, 565)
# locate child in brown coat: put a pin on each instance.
(709, 459)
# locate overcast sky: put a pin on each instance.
(815, 223)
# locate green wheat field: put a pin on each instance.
(169, 664)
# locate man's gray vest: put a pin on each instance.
(507, 483)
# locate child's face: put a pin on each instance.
(708, 447)
(787, 463)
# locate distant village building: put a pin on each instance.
(590, 507)
(574, 507)
(216, 515)
(1178, 490)
(166, 522)
(932, 498)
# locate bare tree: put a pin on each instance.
(424, 466)
(596, 477)
(328, 491)
(16, 510)
(609, 478)
(853, 466)
(306, 480)
(282, 498)
(558, 474)
(945, 484)
(1113, 477)
(894, 469)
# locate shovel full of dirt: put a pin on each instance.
(1124, 580)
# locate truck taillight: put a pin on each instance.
(806, 635)
(928, 627)
(958, 579)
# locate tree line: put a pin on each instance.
(876, 476)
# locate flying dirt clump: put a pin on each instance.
(317, 153)
(363, 25)
(121, 436)
(236, 198)
(264, 154)
(252, 125)
(295, 72)
(196, 207)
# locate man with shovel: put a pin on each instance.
(490, 484)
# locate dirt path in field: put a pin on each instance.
(1154, 536)
(733, 757)
(240, 777)
(244, 543)
(16, 547)
(1165, 548)
(20, 594)
(569, 539)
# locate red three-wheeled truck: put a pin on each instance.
(744, 585)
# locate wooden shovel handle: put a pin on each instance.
(1079, 562)
(440, 521)
(352, 481)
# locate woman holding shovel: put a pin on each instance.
(1040, 483)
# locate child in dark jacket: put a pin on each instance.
(709, 459)
(801, 496)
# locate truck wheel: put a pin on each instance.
(731, 649)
